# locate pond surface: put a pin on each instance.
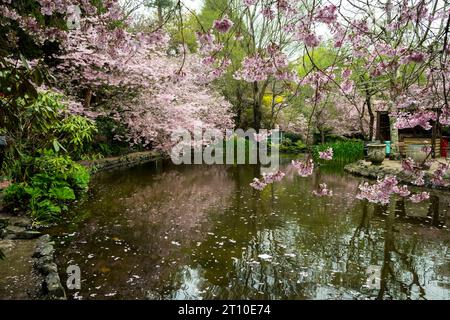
(201, 232)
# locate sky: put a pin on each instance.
(195, 5)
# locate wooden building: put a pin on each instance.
(406, 137)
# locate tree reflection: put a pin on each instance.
(391, 252)
(219, 238)
(403, 267)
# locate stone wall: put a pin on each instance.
(38, 266)
(365, 169)
(17, 228)
(126, 161)
(45, 265)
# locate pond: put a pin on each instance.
(161, 231)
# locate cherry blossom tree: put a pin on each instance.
(400, 44)
(131, 74)
(403, 47)
(180, 102)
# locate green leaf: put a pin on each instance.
(56, 145)
(37, 76)
(47, 207)
(25, 62)
(62, 193)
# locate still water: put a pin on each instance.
(201, 232)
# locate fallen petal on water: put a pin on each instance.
(265, 256)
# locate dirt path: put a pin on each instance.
(18, 279)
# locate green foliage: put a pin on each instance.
(185, 34)
(344, 151)
(75, 132)
(331, 138)
(289, 146)
(92, 156)
(43, 124)
(104, 144)
(54, 182)
(292, 136)
(26, 115)
(322, 57)
(33, 120)
(105, 148)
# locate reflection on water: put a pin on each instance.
(200, 232)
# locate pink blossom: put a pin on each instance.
(254, 69)
(445, 116)
(259, 137)
(273, 177)
(427, 149)
(268, 13)
(304, 168)
(438, 175)
(419, 178)
(223, 25)
(259, 67)
(419, 118)
(327, 14)
(205, 38)
(347, 86)
(208, 61)
(179, 101)
(258, 184)
(326, 155)
(47, 7)
(267, 178)
(417, 57)
(417, 198)
(346, 73)
(323, 191)
(402, 191)
(339, 37)
(381, 191)
(408, 165)
(249, 3)
(311, 40)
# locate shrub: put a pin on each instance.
(289, 146)
(55, 181)
(74, 133)
(105, 142)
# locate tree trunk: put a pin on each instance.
(435, 134)
(238, 109)
(395, 150)
(371, 125)
(368, 97)
(237, 118)
(160, 14)
(371, 118)
(87, 98)
(389, 247)
(257, 114)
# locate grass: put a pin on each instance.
(344, 151)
